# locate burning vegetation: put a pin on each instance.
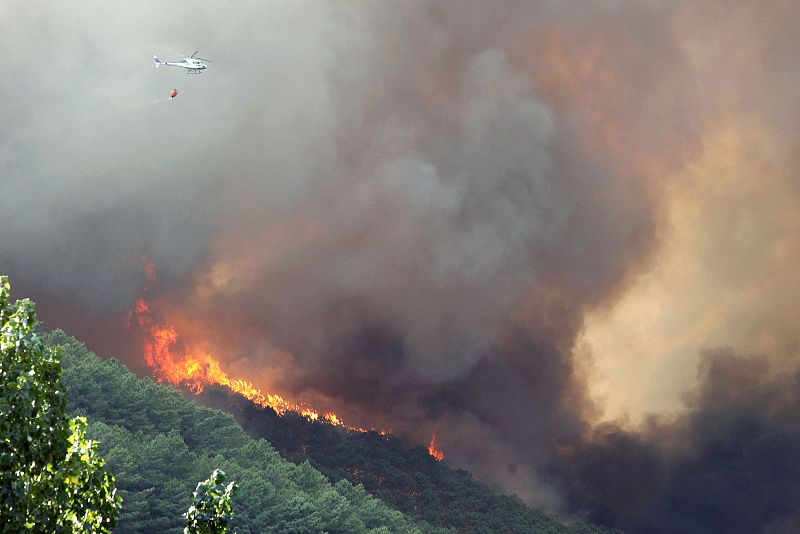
(434, 449)
(172, 360)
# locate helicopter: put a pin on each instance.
(192, 64)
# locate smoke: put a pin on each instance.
(408, 215)
(728, 463)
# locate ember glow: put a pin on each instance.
(434, 449)
(173, 360)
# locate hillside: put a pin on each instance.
(407, 479)
(159, 445)
(294, 475)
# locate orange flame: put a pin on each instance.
(173, 361)
(434, 449)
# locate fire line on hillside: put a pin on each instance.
(195, 370)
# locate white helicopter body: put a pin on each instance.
(192, 64)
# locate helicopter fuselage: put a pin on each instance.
(192, 65)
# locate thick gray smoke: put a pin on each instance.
(729, 463)
(399, 213)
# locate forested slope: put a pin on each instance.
(408, 479)
(159, 445)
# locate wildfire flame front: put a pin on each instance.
(175, 362)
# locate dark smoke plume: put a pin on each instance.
(730, 463)
(406, 214)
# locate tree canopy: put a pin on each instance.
(160, 444)
(53, 479)
(212, 506)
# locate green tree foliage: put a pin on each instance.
(53, 479)
(159, 444)
(407, 479)
(212, 506)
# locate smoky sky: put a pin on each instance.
(403, 213)
(726, 464)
